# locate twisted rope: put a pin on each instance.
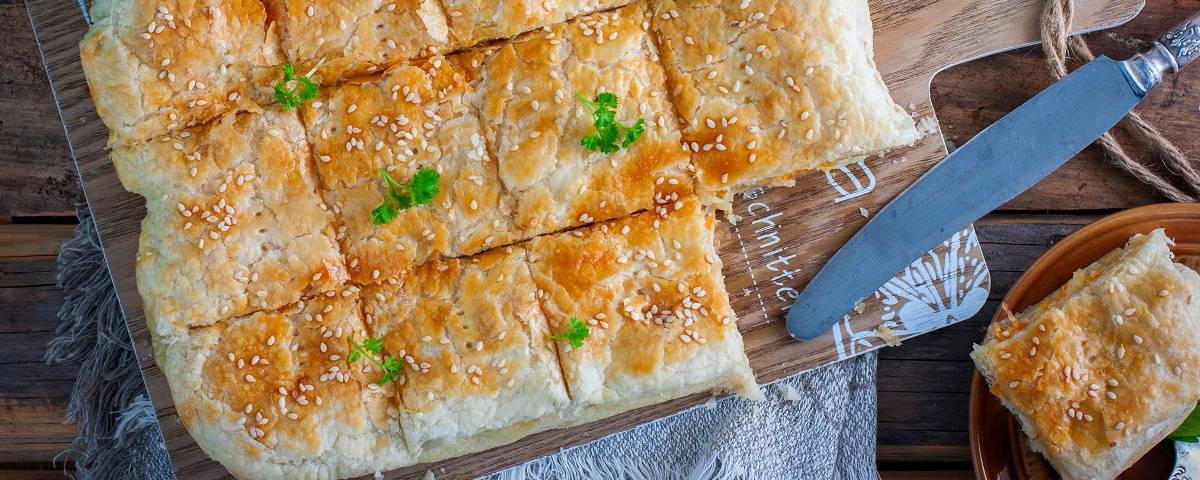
(1060, 48)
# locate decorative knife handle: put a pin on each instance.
(1169, 53)
(1183, 42)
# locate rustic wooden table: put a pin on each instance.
(922, 385)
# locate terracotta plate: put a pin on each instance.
(998, 448)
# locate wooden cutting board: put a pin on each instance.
(783, 237)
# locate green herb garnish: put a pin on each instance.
(292, 90)
(608, 130)
(419, 191)
(1189, 430)
(372, 350)
(576, 333)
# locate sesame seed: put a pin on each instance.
(1129, 311)
(1111, 395)
(1119, 425)
(1013, 384)
(1163, 293)
(249, 378)
(1033, 352)
(1137, 339)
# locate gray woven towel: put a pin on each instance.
(817, 425)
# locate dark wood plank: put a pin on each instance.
(31, 471)
(1088, 182)
(38, 176)
(918, 474)
(923, 386)
(33, 395)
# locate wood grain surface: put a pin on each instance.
(922, 384)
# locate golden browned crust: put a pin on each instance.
(271, 395)
(651, 291)
(233, 221)
(156, 67)
(1104, 368)
(476, 349)
(356, 37)
(772, 88)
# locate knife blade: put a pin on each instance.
(994, 167)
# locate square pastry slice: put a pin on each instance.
(355, 37)
(649, 289)
(475, 21)
(233, 221)
(272, 395)
(770, 89)
(410, 118)
(1104, 368)
(158, 66)
(479, 368)
(534, 101)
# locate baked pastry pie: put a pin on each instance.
(1106, 366)
(233, 222)
(488, 222)
(156, 67)
(271, 395)
(767, 90)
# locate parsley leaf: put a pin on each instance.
(1189, 430)
(576, 333)
(292, 96)
(609, 132)
(420, 191)
(372, 350)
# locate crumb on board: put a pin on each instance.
(788, 393)
(888, 336)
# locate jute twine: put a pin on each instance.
(1060, 47)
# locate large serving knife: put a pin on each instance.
(994, 167)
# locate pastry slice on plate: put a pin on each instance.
(537, 96)
(770, 89)
(233, 222)
(479, 368)
(650, 292)
(272, 395)
(1105, 367)
(159, 66)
